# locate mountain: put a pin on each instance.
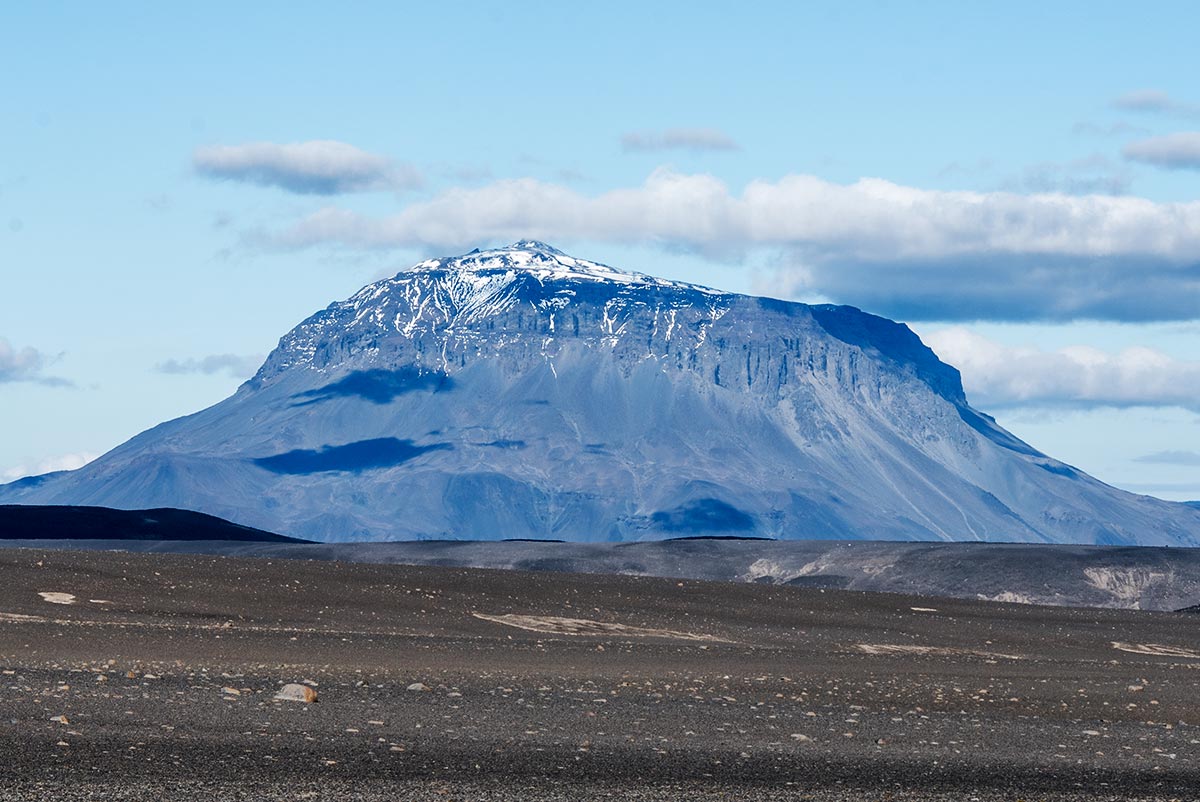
(521, 392)
(30, 523)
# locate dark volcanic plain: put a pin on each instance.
(157, 683)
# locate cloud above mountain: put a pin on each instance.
(997, 375)
(898, 250)
(318, 167)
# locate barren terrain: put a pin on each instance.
(153, 676)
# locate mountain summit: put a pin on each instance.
(521, 392)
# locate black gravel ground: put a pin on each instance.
(157, 683)
(1124, 577)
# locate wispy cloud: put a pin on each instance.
(1144, 100)
(678, 139)
(159, 203)
(1091, 175)
(957, 168)
(1178, 151)
(238, 367)
(63, 462)
(997, 375)
(1119, 128)
(1154, 101)
(319, 167)
(469, 173)
(1188, 458)
(912, 253)
(26, 365)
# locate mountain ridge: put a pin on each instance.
(521, 392)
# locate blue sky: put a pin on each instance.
(1018, 181)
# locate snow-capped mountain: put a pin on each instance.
(521, 392)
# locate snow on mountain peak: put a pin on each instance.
(533, 245)
(545, 263)
(453, 295)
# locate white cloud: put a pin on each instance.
(871, 219)
(997, 375)
(319, 167)
(909, 252)
(25, 365)
(63, 462)
(678, 139)
(239, 367)
(16, 365)
(1178, 151)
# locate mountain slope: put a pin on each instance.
(521, 392)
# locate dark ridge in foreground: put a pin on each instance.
(26, 522)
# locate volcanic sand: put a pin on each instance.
(440, 683)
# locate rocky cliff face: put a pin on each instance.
(521, 392)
